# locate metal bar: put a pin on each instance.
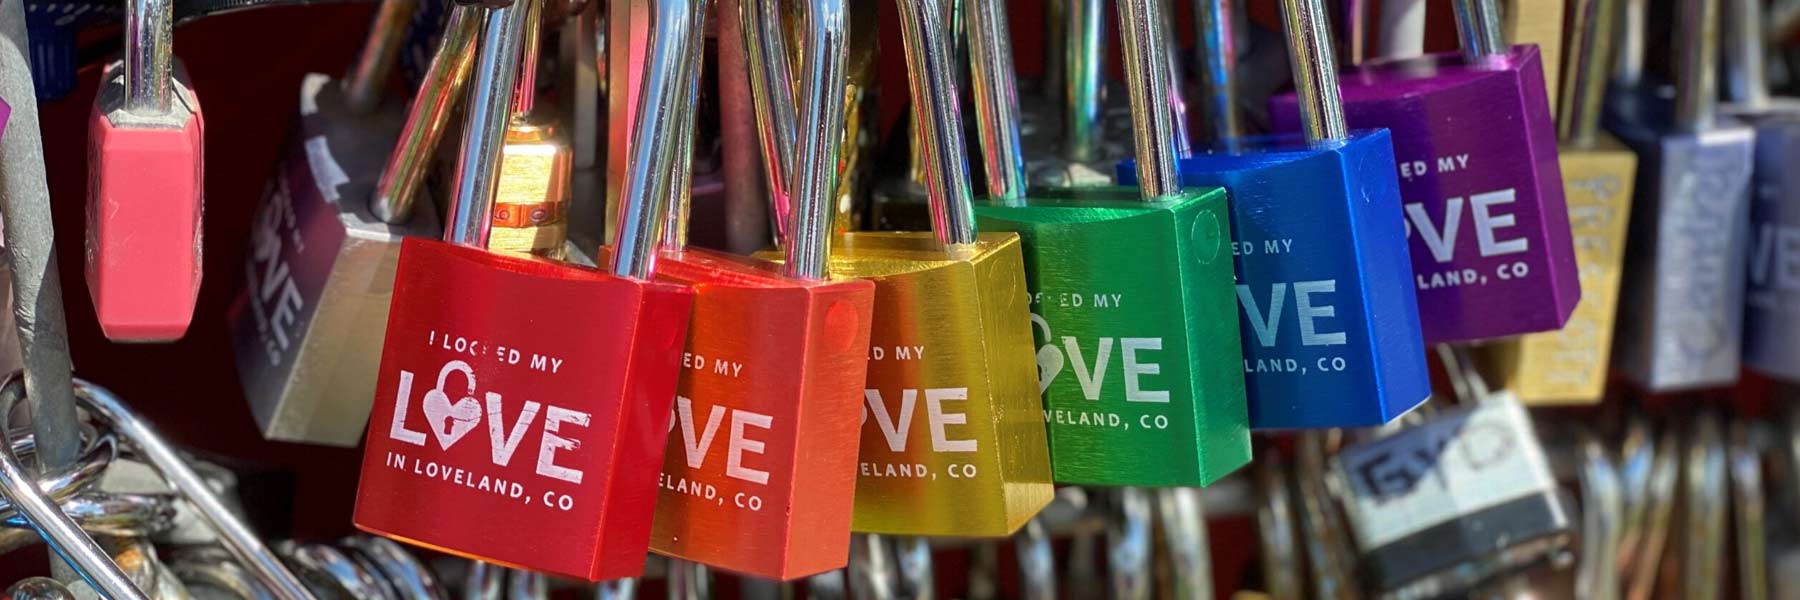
(427, 118)
(1478, 28)
(935, 105)
(369, 74)
(996, 99)
(652, 155)
(1696, 54)
(149, 56)
(1315, 70)
(1213, 23)
(825, 68)
(478, 164)
(772, 94)
(1144, 36)
(1584, 81)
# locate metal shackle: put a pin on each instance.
(643, 199)
(149, 56)
(1478, 30)
(484, 135)
(1148, 78)
(1310, 56)
(824, 71)
(369, 73)
(1696, 55)
(937, 112)
(1584, 81)
(428, 117)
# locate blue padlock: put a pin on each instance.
(1329, 319)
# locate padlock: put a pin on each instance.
(1682, 298)
(1748, 504)
(1461, 498)
(531, 207)
(953, 430)
(1131, 289)
(319, 273)
(1705, 504)
(145, 183)
(766, 413)
(580, 503)
(1569, 366)
(1482, 191)
(1313, 218)
(1772, 298)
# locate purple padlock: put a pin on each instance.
(1479, 180)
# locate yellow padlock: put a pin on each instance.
(953, 440)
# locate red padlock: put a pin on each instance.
(522, 405)
(760, 473)
(144, 190)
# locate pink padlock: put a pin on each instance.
(144, 187)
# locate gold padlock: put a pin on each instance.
(531, 202)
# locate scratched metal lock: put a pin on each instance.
(1682, 300)
(146, 139)
(1132, 289)
(1463, 497)
(319, 274)
(760, 471)
(1772, 298)
(1569, 366)
(1491, 249)
(1314, 230)
(573, 412)
(953, 429)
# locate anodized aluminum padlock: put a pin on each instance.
(1681, 306)
(319, 274)
(1466, 496)
(953, 429)
(1772, 295)
(1569, 366)
(145, 183)
(1132, 288)
(1483, 194)
(531, 207)
(572, 411)
(1330, 324)
(760, 471)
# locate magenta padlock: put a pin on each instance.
(1479, 180)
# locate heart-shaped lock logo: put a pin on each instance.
(1049, 360)
(450, 422)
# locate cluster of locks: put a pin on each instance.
(721, 336)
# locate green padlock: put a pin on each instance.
(1131, 288)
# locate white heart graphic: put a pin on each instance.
(1049, 359)
(450, 422)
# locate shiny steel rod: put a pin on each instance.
(1696, 54)
(1082, 71)
(1144, 37)
(1746, 83)
(825, 72)
(772, 95)
(931, 73)
(484, 134)
(1478, 28)
(1315, 70)
(149, 56)
(652, 155)
(1213, 23)
(369, 74)
(427, 118)
(1584, 82)
(996, 99)
(678, 186)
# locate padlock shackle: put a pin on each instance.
(468, 221)
(937, 112)
(644, 196)
(524, 97)
(1584, 79)
(1216, 31)
(996, 98)
(1478, 29)
(149, 56)
(772, 96)
(1308, 31)
(1144, 38)
(368, 75)
(1402, 29)
(678, 187)
(1083, 61)
(1037, 560)
(1128, 542)
(427, 117)
(1602, 520)
(1696, 64)
(824, 68)
(1746, 82)
(1628, 66)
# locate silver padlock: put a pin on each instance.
(1463, 497)
(1682, 311)
(320, 272)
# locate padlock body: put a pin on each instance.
(521, 411)
(1482, 190)
(1461, 498)
(144, 212)
(531, 203)
(1772, 296)
(953, 428)
(1134, 299)
(760, 471)
(1329, 319)
(319, 275)
(1569, 366)
(1681, 308)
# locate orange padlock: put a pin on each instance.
(760, 469)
